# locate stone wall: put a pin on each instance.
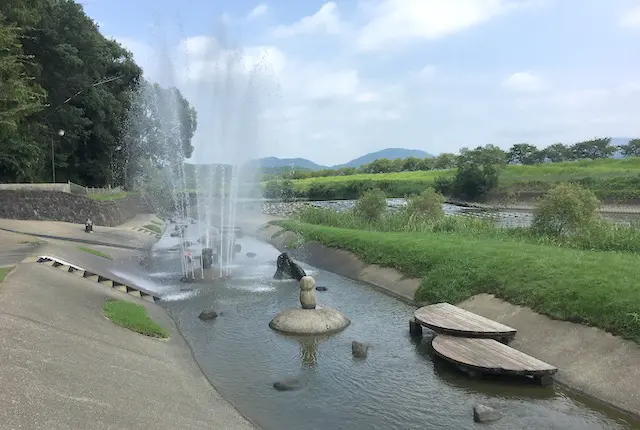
(61, 206)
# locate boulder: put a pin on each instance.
(484, 413)
(287, 384)
(359, 350)
(321, 288)
(208, 315)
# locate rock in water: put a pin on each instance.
(321, 288)
(287, 385)
(251, 254)
(484, 413)
(359, 350)
(208, 315)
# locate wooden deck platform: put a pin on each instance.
(449, 319)
(488, 356)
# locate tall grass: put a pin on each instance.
(600, 236)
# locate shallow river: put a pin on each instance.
(399, 386)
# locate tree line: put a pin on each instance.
(74, 104)
(520, 153)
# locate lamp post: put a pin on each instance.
(117, 148)
(53, 155)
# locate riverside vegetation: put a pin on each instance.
(491, 172)
(570, 264)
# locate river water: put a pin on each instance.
(399, 386)
(507, 218)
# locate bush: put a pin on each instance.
(371, 205)
(279, 189)
(565, 209)
(427, 205)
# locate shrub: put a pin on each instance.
(564, 210)
(427, 205)
(279, 189)
(371, 205)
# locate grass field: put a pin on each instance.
(610, 179)
(134, 317)
(589, 287)
(153, 227)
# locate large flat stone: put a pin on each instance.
(309, 321)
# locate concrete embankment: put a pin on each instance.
(591, 361)
(64, 365)
(62, 206)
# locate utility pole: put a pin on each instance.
(53, 155)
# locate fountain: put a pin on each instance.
(309, 319)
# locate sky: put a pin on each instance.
(331, 81)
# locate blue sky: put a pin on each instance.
(339, 79)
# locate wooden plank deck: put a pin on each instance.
(449, 319)
(476, 355)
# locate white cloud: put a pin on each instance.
(631, 19)
(257, 12)
(524, 82)
(325, 20)
(395, 21)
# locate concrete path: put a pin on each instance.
(115, 236)
(64, 366)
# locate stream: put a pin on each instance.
(399, 386)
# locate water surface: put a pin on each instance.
(399, 386)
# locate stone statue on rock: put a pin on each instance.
(307, 293)
(287, 267)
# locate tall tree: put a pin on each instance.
(631, 149)
(556, 153)
(524, 153)
(593, 149)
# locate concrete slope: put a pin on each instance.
(114, 236)
(63, 365)
(120, 272)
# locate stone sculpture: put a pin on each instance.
(287, 267)
(307, 293)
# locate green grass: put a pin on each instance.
(600, 236)
(95, 252)
(611, 179)
(4, 271)
(589, 287)
(134, 317)
(154, 228)
(157, 222)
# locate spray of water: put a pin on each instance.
(224, 87)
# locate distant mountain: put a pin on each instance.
(390, 153)
(299, 163)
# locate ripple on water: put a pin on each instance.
(399, 386)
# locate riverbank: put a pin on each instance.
(614, 181)
(563, 287)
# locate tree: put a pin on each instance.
(478, 171)
(20, 98)
(631, 149)
(556, 153)
(524, 153)
(445, 161)
(62, 73)
(371, 205)
(593, 149)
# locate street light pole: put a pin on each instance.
(53, 155)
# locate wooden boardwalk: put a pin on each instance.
(476, 355)
(448, 319)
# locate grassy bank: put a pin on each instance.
(589, 287)
(153, 227)
(611, 180)
(4, 271)
(599, 236)
(134, 317)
